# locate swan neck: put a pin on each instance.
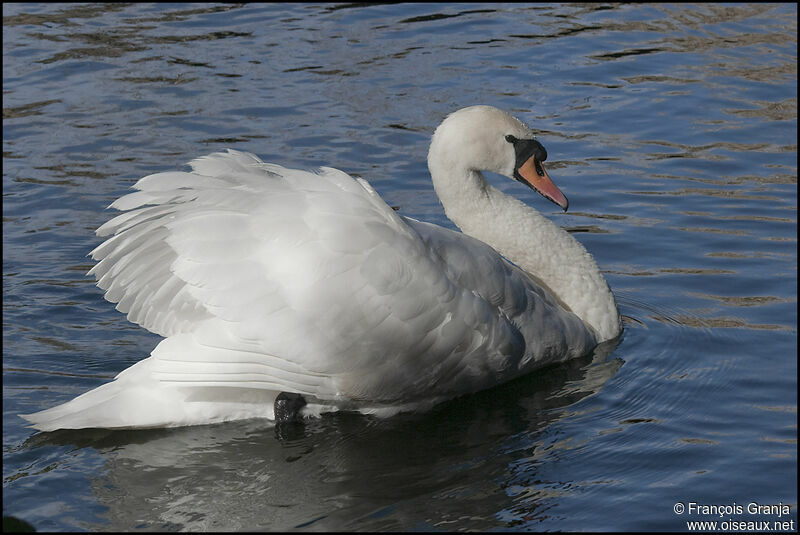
(529, 240)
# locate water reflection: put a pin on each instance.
(339, 470)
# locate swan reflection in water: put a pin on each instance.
(342, 467)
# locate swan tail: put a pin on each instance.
(106, 406)
(137, 400)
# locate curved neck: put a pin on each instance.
(529, 240)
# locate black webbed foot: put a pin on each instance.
(288, 424)
(287, 407)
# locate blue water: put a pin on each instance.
(671, 129)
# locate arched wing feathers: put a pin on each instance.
(313, 270)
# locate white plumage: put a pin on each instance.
(264, 279)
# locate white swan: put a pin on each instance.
(265, 280)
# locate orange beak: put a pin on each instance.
(533, 174)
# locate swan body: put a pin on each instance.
(263, 280)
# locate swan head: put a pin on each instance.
(484, 138)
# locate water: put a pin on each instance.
(672, 130)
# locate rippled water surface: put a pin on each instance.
(672, 130)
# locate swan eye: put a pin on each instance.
(511, 139)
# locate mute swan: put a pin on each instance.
(273, 285)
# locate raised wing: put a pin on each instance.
(307, 279)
